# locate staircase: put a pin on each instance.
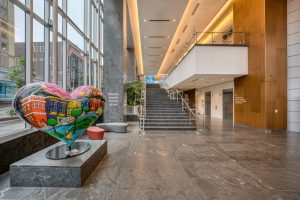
(163, 113)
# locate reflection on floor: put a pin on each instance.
(11, 126)
(225, 162)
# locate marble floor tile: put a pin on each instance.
(223, 162)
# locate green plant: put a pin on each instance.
(134, 92)
(11, 112)
(17, 74)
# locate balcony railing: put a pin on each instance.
(209, 38)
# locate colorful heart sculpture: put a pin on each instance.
(62, 115)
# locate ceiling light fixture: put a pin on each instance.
(183, 20)
(135, 29)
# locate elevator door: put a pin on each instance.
(208, 104)
(228, 105)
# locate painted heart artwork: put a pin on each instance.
(62, 115)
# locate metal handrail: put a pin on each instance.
(192, 113)
(195, 41)
(142, 109)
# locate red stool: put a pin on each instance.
(95, 133)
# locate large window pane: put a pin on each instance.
(38, 7)
(75, 12)
(94, 27)
(59, 60)
(101, 36)
(59, 20)
(38, 51)
(75, 68)
(75, 37)
(12, 60)
(60, 4)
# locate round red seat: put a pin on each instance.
(95, 133)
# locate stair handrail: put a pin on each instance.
(175, 94)
(142, 109)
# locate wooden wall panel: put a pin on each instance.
(192, 96)
(264, 89)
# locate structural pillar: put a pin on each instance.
(113, 61)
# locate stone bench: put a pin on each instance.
(117, 127)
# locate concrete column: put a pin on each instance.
(131, 68)
(113, 60)
(293, 48)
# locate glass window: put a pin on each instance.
(75, 68)
(12, 60)
(101, 36)
(75, 37)
(38, 41)
(59, 20)
(38, 7)
(60, 4)
(75, 12)
(22, 1)
(94, 26)
(59, 61)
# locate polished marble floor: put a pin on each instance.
(224, 162)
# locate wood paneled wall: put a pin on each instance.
(192, 96)
(265, 88)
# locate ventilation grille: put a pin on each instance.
(195, 9)
(157, 36)
(155, 47)
(153, 55)
(184, 29)
(159, 20)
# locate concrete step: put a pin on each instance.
(170, 128)
(158, 117)
(184, 120)
(169, 124)
(165, 113)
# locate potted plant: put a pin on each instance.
(134, 92)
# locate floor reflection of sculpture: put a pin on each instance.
(60, 114)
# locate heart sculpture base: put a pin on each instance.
(64, 151)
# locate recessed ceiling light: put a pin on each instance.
(223, 79)
(145, 20)
(174, 20)
(145, 36)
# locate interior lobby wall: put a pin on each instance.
(261, 97)
(216, 98)
(114, 63)
(293, 28)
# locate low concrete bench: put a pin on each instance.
(117, 127)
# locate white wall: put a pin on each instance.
(293, 26)
(209, 60)
(216, 98)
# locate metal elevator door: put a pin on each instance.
(207, 104)
(228, 105)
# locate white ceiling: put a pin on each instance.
(156, 36)
(170, 10)
(202, 81)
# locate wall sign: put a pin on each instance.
(113, 99)
(239, 100)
